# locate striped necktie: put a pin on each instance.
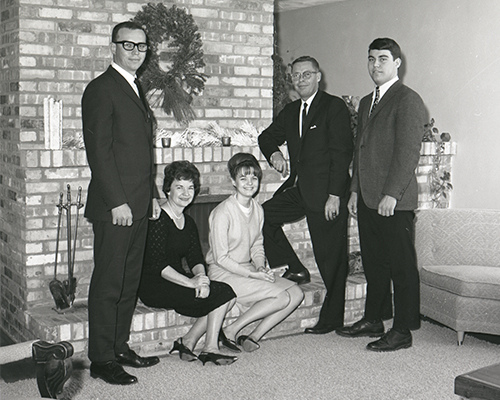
(377, 98)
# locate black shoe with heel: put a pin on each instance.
(228, 343)
(217, 359)
(184, 353)
(248, 343)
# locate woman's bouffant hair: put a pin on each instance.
(181, 170)
(244, 164)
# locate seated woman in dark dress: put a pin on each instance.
(166, 284)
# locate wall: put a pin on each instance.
(54, 48)
(451, 57)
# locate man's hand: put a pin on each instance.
(122, 215)
(332, 207)
(386, 206)
(156, 210)
(352, 205)
(279, 163)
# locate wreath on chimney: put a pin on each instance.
(170, 75)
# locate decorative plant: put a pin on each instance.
(282, 84)
(352, 103)
(440, 178)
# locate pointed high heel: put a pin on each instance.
(248, 343)
(217, 359)
(184, 353)
(228, 343)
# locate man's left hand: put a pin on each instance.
(156, 210)
(332, 207)
(386, 206)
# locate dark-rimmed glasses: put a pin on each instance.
(130, 46)
(306, 75)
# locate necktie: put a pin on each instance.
(377, 98)
(141, 94)
(304, 115)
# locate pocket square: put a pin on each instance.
(313, 127)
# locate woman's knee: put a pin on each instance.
(296, 295)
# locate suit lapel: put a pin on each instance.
(125, 86)
(313, 108)
(386, 97)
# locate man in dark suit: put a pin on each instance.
(117, 130)
(316, 129)
(384, 196)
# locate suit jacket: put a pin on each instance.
(388, 147)
(117, 130)
(321, 157)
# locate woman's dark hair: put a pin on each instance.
(244, 164)
(181, 170)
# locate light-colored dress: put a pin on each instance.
(236, 248)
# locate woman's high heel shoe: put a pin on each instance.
(228, 343)
(217, 359)
(184, 353)
(248, 343)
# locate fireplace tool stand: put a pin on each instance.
(64, 292)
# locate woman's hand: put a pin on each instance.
(201, 284)
(202, 292)
(200, 280)
(263, 275)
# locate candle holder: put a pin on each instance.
(226, 141)
(166, 141)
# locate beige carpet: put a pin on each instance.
(298, 367)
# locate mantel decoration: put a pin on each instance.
(213, 135)
(440, 178)
(172, 89)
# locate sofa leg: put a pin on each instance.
(460, 337)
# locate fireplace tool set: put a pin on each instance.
(64, 292)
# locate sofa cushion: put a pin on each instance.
(464, 280)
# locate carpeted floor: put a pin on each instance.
(295, 367)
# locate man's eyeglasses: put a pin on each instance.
(129, 46)
(306, 75)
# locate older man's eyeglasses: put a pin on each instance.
(130, 46)
(306, 75)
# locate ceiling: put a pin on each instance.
(287, 5)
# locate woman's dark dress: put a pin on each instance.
(167, 245)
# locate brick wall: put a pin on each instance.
(54, 48)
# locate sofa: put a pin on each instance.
(458, 254)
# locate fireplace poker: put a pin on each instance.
(70, 283)
(56, 287)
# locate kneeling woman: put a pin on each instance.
(165, 283)
(236, 257)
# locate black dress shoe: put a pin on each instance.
(131, 359)
(321, 329)
(111, 372)
(362, 328)
(391, 341)
(299, 277)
